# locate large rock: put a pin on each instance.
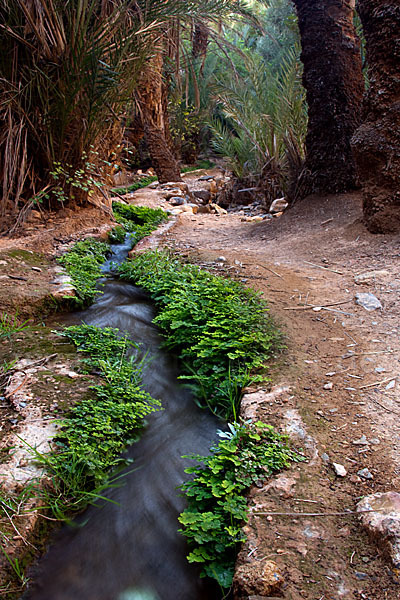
(278, 205)
(203, 195)
(384, 524)
(257, 578)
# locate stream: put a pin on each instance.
(130, 549)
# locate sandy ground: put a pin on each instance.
(340, 375)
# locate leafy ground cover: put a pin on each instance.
(219, 328)
(137, 221)
(217, 506)
(82, 264)
(98, 428)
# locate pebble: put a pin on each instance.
(325, 458)
(368, 301)
(365, 474)
(221, 259)
(328, 386)
(391, 385)
(339, 470)
(361, 442)
(380, 370)
(36, 269)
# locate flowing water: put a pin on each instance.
(132, 550)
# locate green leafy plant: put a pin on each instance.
(137, 185)
(83, 263)
(217, 507)
(219, 328)
(138, 221)
(99, 427)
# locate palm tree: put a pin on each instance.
(335, 85)
(376, 142)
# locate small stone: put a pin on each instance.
(368, 301)
(206, 178)
(325, 458)
(36, 269)
(177, 200)
(380, 370)
(340, 471)
(369, 276)
(278, 205)
(365, 474)
(221, 259)
(330, 374)
(361, 576)
(361, 442)
(375, 441)
(258, 578)
(391, 384)
(328, 386)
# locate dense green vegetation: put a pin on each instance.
(98, 428)
(219, 328)
(137, 221)
(137, 185)
(82, 264)
(217, 506)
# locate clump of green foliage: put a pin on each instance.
(11, 324)
(138, 221)
(82, 264)
(218, 327)
(137, 185)
(217, 507)
(99, 427)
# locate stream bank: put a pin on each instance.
(326, 556)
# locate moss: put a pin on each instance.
(30, 258)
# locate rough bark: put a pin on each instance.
(376, 143)
(335, 86)
(155, 122)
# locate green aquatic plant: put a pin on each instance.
(220, 329)
(137, 221)
(83, 264)
(217, 507)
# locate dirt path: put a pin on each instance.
(336, 382)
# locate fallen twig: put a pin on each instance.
(326, 222)
(325, 514)
(311, 306)
(395, 412)
(368, 385)
(321, 267)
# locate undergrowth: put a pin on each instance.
(137, 185)
(99, 427)
(137, 221)
(217, 507)
(218, 327)
(82, 264)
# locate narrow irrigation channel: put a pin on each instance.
(130, 548)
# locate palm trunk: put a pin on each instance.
(334, 85)
(377, 142)
(155, 122)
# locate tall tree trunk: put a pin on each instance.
(376, 143)
(335, 86)
(151, 98)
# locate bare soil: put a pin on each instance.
(340, 343)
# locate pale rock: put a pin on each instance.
(174, 193)
(153, 186)
(383, 525)
(278, 205)
(339, 469)
(187, 209)
(328, 386)
(391, 384)
(217, 209)
(368, 301)
(180, 185)
(365, 474)
(361, 442)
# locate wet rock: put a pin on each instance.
(261, 578)
(368, 301)
(339, 469)
(365, 474)
(278, 205)
(383, 525)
